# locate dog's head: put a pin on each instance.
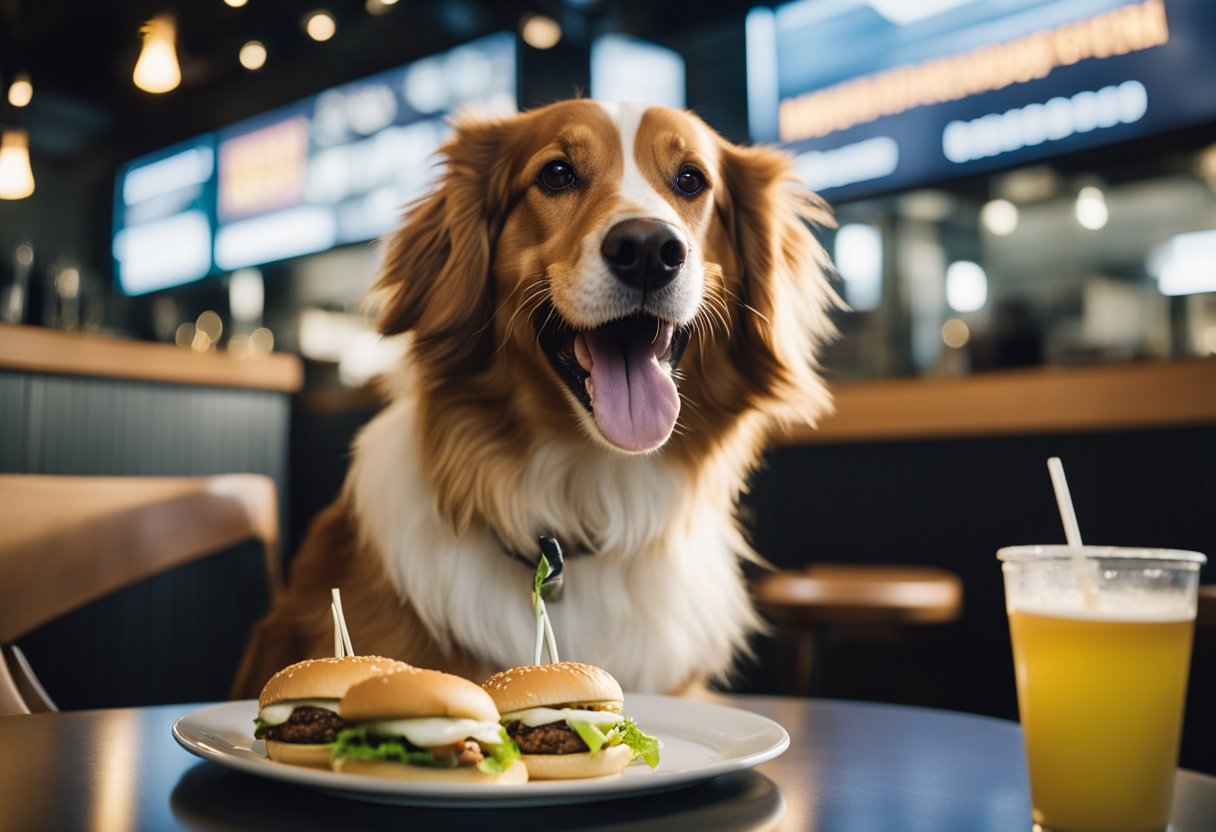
(613, 261)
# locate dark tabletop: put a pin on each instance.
(851, 767)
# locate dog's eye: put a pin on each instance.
(689, 181)
(557, 175)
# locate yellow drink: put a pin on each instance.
(1101, 697)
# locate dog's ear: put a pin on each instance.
(781, 293)
(435, 276)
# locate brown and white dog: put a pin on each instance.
(611, 307)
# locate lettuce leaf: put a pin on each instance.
(590, 734)
(626, 731)
(542, 572)
(643, 745)
(260, 727)
(358, 744)
(501, 756)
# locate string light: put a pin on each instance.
(21, 90)
(157, 70)
(253, 55)
(541, 32)
(320, 26)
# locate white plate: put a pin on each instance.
(699, 740)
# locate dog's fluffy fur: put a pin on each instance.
(485, 445)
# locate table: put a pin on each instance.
(851, 767)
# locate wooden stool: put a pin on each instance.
(862, 598)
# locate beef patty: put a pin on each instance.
(554, 738)
(307, 725)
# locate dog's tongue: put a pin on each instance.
(635, 401)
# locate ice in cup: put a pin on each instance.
(1101, 647)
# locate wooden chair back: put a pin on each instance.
(68, 541)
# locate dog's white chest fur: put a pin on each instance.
(660, 602)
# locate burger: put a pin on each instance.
(298, 709)
(566, 719)
(425, 725)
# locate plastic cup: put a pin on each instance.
(1101, 647)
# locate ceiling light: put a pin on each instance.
(1183, 265)
(966, 286)
(320, 26)
(21, 90)
(16, 176)
(1000, 217)
(541, 32)
(236, 4)
(859, 262)
(157, 69)
(253, 55)
(1091, 208)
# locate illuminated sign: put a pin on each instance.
(332, 169)
(628, 69)
(263, 170)
(968, 85)
(163, 217)
(337, 168)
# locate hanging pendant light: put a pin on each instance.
(157, 69)
(21, 91)
(16, 176)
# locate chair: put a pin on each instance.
(863, 599)
(68, 541)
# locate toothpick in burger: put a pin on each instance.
(298, 709)
(425, 725)
(566, 719)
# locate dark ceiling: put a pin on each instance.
(80, 55)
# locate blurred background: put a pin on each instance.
(1025, 193)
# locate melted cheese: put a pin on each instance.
(280, 712)
(547, 716)
(432, 731)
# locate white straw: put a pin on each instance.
(540, 640)
(338, 649)
(1059, 482)
(350, 651)
(550, 639)
(1072, 531)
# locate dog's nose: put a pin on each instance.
(645, 254)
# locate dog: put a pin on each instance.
(610, 308)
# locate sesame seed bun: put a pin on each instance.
(415, 692)
(604, 762)
(324, 678)
(553, 685)
(517, 773)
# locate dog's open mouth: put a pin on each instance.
(621, 372)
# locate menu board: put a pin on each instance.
(163, 217)
(331, 169)
(877, 96)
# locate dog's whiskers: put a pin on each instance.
(535, 295)
(748, 306)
